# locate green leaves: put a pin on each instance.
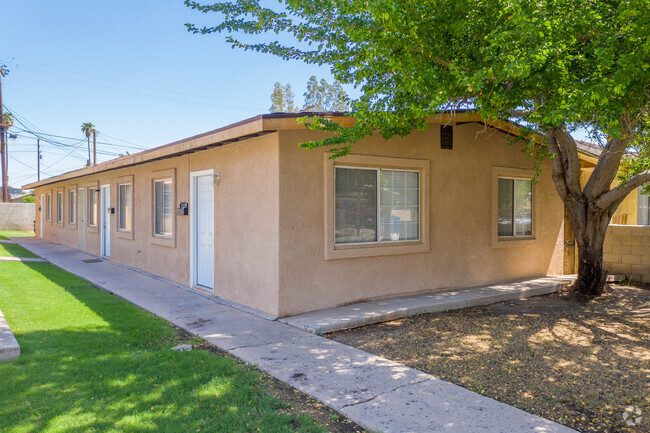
(578, 63)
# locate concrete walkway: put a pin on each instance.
(376, 393)
(9, 348)
(382, 310)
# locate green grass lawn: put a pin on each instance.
(13, 250)
(92, 362)
(6, 234)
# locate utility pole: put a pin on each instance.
(38, 158)
(94, 147)
(3, 148)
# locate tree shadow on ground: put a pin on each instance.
(578, 363)
(93, 362)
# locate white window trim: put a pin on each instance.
(119, 207)
(369, 249)
(92, 191)
(72, 216)
(163, 180)
(60, 207)
(162, 240)
(512, 241)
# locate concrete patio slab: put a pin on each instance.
(9, 347)
(370, 312)
(377, 393)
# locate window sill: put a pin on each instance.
(92, 229)
(376, 249)
(506, 242)
(125, 234)
(165, 241)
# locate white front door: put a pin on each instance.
(81, 219)
(105, 217)
(204, 230)
(42, 214)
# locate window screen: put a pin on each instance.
(124, 203)
(515, 207)
(92, 207)
(376, 205)
(72, 206)
(163, 208)
(59, 207)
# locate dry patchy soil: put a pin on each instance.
(578, 363)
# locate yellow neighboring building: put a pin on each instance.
(634, 209)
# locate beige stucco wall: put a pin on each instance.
(270, 221)
(17, 216)
(246, 220)
(460, 223)
(627, 251)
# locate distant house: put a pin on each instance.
(242, 212)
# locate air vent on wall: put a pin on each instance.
(446, 137)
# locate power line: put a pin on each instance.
(137, 93)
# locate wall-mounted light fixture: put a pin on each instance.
(183, 208)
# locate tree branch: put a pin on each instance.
(569, 154)
(607, 199)
(603, 175)
(558, 169)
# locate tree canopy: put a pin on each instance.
(554, 66)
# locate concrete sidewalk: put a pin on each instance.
(376, 393)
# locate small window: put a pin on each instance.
(48, 207)
(72, 206)
(124, 206)
(446, 137)
(376, 205)
(515, 210)
(59, 207)
(643, 215)
(163, 207)
(92, 206)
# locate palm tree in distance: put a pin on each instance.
(87, 128)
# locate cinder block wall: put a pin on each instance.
(627, 251)
(17, 216)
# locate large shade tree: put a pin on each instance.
(554, 66)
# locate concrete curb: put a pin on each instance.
(22, 259)
(9, 347)
(384, 310)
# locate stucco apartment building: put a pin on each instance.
(242, 212)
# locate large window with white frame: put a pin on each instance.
(59, 207)
(72, 207)
(515, 208)
(125, 206)
(93, 206)
(163, 207)
(376, 205)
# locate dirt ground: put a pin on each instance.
(582, 364)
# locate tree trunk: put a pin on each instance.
(591, 274)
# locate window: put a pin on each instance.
(643, 216)
(92, 206)
(48, 207)
(59, 207)
(515, 208)
(124, 205)
(72, 206)
(374, 205)
(163, 207)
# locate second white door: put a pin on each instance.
(204, 231)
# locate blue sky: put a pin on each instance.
(132, 69)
